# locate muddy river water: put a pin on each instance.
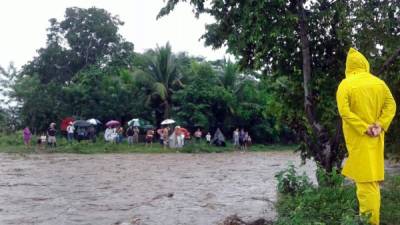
(146, 189)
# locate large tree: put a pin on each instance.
(85, 37)
(158, 76)
(204, 102)
(300, 46)
(82, 47)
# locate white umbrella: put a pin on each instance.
(167, 121)
(135, 122)
(93, 121)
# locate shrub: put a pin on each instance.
(301, 203)
(291, 183)
(390, 206)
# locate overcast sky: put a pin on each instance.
(23, 26)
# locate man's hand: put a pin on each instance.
(369, 131)
(374, 130)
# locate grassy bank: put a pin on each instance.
(332, 202)
(13, 143)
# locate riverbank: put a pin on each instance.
(14, 144)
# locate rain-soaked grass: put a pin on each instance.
(12, 143)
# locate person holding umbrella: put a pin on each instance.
(129, 134)
(135, 134)
(165, 136)
(92, 133)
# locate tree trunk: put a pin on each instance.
(166, 109)
(321, 145)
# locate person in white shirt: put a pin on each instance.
(70, 132)
(108, 134)
(208, 138)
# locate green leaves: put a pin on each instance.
(264, 36)
(157, 76)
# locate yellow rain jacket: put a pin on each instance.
(363, 99)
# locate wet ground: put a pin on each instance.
(152, 189)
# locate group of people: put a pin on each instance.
(174, 137)
(48, 138)
(116, 135)
(80, 133)
(171, 137)
(241, 139)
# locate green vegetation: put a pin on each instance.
(331, 202)
(111, 81)
(12, 143)
(290, 58)
(300, 47)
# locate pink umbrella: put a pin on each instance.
(112, 123)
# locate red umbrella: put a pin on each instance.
(113, 123)
(185, 132)
(65, 122)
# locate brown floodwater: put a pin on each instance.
(145, 189)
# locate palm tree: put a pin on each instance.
(157, 77)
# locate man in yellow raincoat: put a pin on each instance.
(367, 108)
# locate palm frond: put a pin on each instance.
(160, 90)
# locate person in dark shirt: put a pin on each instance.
(92, 133)
(51, 135)
(129, 133)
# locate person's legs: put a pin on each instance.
(50, 141)
(54, 142)
(130, 140)
(165, 142)
(369, 199)
(179, 141)
(70, 137)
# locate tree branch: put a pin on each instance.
(388, 62)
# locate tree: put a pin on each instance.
(302, 44)
(9, 113)
(69, 77)
(203, 102)
(158, 76)
(85, 37)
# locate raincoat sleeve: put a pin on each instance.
(388, 110)
(342, 98)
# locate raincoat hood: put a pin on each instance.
(356, 63)
(218, 135)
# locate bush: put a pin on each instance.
(390, 206)
(291, 183)
(14, 139)
(332, 179)
(301, 203)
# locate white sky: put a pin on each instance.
(23, 26)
